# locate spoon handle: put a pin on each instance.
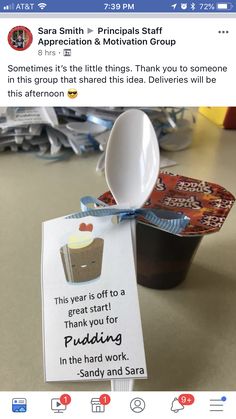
(126, 384)
(122, 385)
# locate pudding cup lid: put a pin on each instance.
(206, 204)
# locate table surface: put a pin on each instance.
(189, 331)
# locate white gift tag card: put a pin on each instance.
(92, 326)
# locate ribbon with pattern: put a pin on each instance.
(168, 221)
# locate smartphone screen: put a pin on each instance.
(117, 145)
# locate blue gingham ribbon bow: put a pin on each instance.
(168, 221)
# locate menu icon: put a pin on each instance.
(217, 405)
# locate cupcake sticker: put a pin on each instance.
(82, 255)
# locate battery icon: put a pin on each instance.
(224, 6)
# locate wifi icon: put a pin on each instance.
(42, 5)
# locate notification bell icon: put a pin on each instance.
(176, 406)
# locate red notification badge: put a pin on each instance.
(65, 399)
(186, 399)
(104, 399)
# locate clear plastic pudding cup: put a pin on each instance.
(164, 259)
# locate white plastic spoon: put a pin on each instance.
(131, 169)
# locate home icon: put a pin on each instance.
(97, 407)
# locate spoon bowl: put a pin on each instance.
(132, 159)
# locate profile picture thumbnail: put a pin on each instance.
(20, 38)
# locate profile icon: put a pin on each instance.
(137, 405)
(20, 38)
